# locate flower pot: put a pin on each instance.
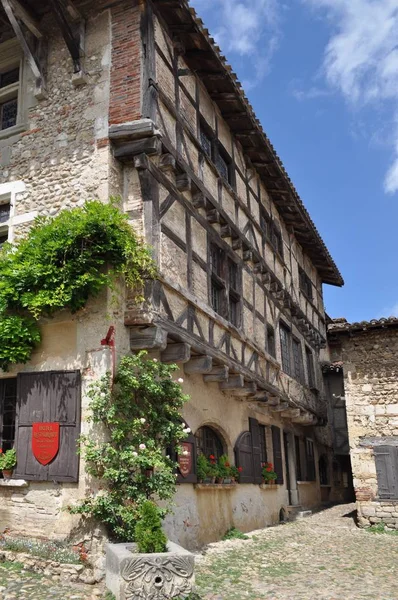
(7, 473)
(219, 480)
(209, 480)
(227, 480)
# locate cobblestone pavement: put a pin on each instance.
(18, 584)
(324, 556)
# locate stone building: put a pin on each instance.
(132, 98)
(362, 376)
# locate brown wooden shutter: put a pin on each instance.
(52, 396)
(386, 458)
(278, 463)
(244, 457)
(256, 450)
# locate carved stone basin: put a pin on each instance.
(163, 576)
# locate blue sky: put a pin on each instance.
(322, 76)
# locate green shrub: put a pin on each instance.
(235, 534)
(148, 530)
(60, 264)
(8, 459)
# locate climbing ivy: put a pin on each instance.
(60, 264)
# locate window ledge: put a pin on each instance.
(215, 486)
(268, 487)
(6, 133)
(306, 482)
(13, 483)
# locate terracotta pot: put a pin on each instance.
(219, 480)
(7, 473)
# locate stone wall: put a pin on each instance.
(381, 512)
(369, 360)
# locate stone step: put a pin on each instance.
(302, 514)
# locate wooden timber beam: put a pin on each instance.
(175, 353)
(281, 407)
(219, 373)
(290, 413)
(27, 18)
(147, 338)
(199, 364)
(235, 382)
(72, 35)
(248, 389)
(33, 62)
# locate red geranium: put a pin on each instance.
(240, 469)
(1, 451)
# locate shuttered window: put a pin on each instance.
(277, 447)
(297, 447)
(248, 453)
(208, 442)
(285, 338)
(52, 396)
(386, 458)
(298, 365)
(8, 406)
(310, 460)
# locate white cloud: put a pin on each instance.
(247, 28)
(361, 59)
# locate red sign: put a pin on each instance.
(185, 459)
(45, 441)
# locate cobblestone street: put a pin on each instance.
(324, 556)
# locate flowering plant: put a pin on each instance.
(268, 472)
(140, 414)
(8, 459)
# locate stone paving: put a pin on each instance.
(324, 556)
(19, 584)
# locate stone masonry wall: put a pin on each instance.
(371, 391)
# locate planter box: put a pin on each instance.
(158, 576)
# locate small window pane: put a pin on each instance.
(4, 212)
(9, 77)
(205, 142)
(7, 434)
(310, 368)
(298, 360)
(216, 258)
(234, 310)
(285, 349)
(209, 442)
(222, 167)
(3, 239)
(9, 111)
(310, 459)
(233, 275)
(271, 341)
(216, 296)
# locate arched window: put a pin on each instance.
(209, 442)
(323, 470)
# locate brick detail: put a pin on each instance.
(125, 97)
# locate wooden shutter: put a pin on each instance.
(256, 449)
(52, 396)
(244, 457)
(277, 447)
(386, 458)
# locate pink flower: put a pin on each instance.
(142, 446)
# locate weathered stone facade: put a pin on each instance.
(138, 122)
(367, 355)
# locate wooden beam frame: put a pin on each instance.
(199, 364)
(27, 18)
(73, 33)
(176, 353)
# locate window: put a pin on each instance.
(277, 448)
(263, 444)
(298, 366)
(249, 449)
(310, 368)
(276, 240)
(8, 405)
(297, 446)
(5, 207)
(225, 286)
(386, 458)
(285, 338)
(271, 341)
(10, 84)
(271, 232)
(310, 460)
(206, 136)
(208, 442)
(305, 284)
(324, 470)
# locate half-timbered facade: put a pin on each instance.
(133, 98)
